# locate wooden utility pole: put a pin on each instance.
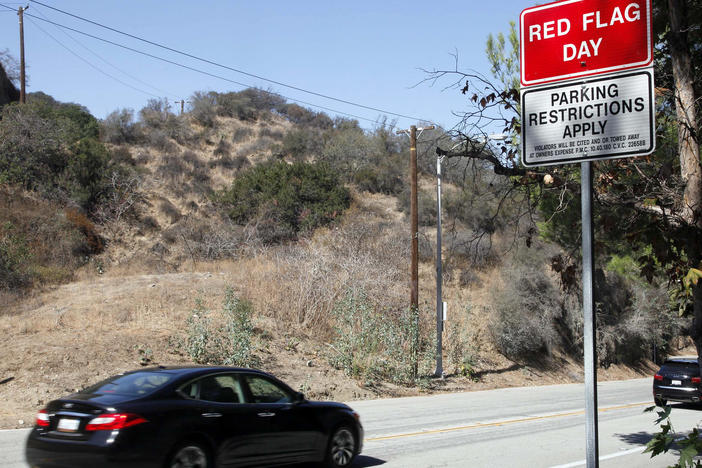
(23, 94)
(182, 105)
(414, 269)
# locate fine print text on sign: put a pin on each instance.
(575, 38)
(598, 118)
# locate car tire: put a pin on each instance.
(660, 401)
(341, 449)
(189, 455)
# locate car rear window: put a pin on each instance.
(136, 384)
(678, 367)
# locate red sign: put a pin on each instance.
(574, 38)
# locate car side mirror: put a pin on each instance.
(299, 397)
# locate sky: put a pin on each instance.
(366, 52)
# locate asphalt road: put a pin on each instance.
(516, 427)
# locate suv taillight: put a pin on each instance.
(658, 377)
(114, 421)
(42, 418)
(696, 380)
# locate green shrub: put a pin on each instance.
(75, 119)
(235, 105)
(385, 176)
(86, 172)
(203, 108)
(306, 117)
(238, 330)
(155, 113)
(241, 133)
(374, 346)
(221, 339)
(193, 159)
(270, 133)
(299, 143)
(224, 148)
(52, 148)
(296, 197)
(524, 312)
(119, 127)
(348, 149)
(263, 100)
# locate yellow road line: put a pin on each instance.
(503, 423)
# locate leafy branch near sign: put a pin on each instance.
(665, 440)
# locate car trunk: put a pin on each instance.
(679, 374)
(68, 417)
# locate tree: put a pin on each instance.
(650, 207)
(688, 149)
(11, 66)
(52, 148)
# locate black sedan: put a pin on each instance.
(678, 380)
(199, 417)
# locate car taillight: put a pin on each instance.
(114, 421)
(696, 380)
(42, 418)
(658, 377)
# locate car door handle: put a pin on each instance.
(211, 415)
(266, 415)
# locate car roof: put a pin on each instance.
(681, 360)
(194, 370)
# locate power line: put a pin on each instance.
(107, 62)
(194, 69)
(91, 64)
(211, 62)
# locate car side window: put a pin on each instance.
(264, 391)
(220, 388)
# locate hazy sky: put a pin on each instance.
(368, 52)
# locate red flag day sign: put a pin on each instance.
(573, 38)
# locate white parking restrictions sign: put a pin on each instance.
(600, 118)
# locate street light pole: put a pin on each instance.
(439, 372)
(440, 156)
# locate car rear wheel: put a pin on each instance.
(189, 455)
(660, 401)
(342, 448)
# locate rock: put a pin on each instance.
(20, 422)
(310, 363)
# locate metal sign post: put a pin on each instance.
(589, 337)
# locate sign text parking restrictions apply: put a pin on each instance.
(597, 118)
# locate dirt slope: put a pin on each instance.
(81, 332)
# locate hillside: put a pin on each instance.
(167, 263)
(75, 334)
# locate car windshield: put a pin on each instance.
(136, 384)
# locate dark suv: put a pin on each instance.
(677, 380)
